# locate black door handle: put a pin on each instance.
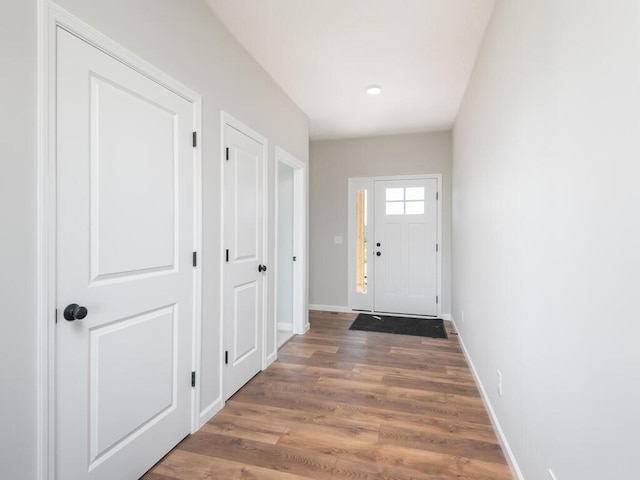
(378, 254)
(378, 244)
(262, 268)
(74, 311)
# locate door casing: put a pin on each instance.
(51, 17)
(368, 183)
(300, 319)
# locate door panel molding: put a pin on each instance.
(355, 183)
(50, 18)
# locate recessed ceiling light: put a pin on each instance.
(374, 90)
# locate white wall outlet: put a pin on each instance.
(338, 239)
(499, 382)
(551, 475)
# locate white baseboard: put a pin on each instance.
(271, 358)
(446, 316)
(209, 412)
(285, 327)
(304, 330)
(330, 308)
(508, 453)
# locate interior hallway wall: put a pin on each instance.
(546, 233)
(187, 41)
(18, 144)
(331, 164)
(184, 40)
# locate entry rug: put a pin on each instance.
(421, 327)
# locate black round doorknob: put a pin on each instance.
(262, 268)
(378, 254)
(378, 244)
(74, 311)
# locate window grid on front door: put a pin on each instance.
(404, 201)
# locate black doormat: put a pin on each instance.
(421, 327)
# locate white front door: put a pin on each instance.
(125, 186)
(405, 246)
(243, 269)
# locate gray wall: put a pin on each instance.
(546, 233)
(331, 163)
(18, 239)
(186, 41)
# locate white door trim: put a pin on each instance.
(50, 17)
(300, 318)
(351, 230)
(227, 119)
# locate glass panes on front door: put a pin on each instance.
(404, 201)
(361, 241)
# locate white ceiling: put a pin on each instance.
(323, 53)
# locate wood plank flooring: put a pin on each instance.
(345, 405)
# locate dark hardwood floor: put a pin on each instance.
(345, 405)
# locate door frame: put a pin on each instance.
(352, 182)
(50, 18)
(300, 320)
(227, 119)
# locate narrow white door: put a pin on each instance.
(124, 246)
(243, 270)
(405, 243)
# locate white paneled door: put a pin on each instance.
(243, 269)
(405, 246)
(125, 203)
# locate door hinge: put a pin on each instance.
(195, 259)
(226, 357)
(227, 255)
(436, 299)
(436, 247)
(227, 153)
(437, 195)
(195, 139)
(56, 316)
(193, 379)
(295, 259)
